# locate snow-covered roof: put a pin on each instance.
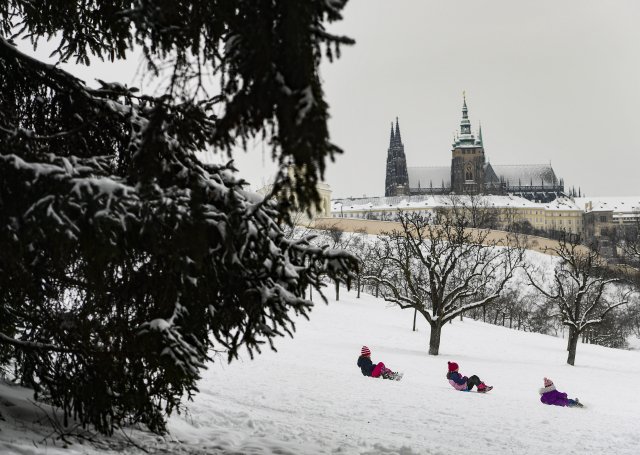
(429, 201)
(526, 174)
(609, 203)
(562, 203)
(429, 176)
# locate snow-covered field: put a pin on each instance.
(310, 397)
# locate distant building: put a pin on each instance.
(499, 211)
(603, 214)
(469, 173)
(609, 219)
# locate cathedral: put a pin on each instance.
(470, 173)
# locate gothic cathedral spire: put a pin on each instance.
(397, 180)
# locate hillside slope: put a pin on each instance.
(310, 397)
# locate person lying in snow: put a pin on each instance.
(375, 371)
(549, 395)
(464, 383)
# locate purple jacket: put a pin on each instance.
(551, 396)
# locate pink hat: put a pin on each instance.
(453, 366)
(548, 382)
(365, 351)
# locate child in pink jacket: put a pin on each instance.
(464, 383)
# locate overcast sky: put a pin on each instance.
(550, 80)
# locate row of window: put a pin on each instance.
(386, 215)
(390, 216)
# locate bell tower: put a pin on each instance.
(467, 158)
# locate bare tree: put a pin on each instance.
(475, 209)
(633, 317)
(581, 289)
(367, 253)
(441, 269)
(612, 332)
(337, 239)
(374, 265)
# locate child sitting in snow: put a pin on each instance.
(464, 383)
(549, 395)
(375, 371)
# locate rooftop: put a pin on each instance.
(429, 201)
(609, 203)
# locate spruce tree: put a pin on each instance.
(126, 261)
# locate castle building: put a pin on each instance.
(469, 173)
(498, 211)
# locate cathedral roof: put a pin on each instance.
(429, 176)
(515, 174)
(526, 174)
(490, 175)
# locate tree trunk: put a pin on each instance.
(310, 294)
(573, 344)
(484, 314)
(570, 337)
(415, 313)
(434, 338)
(337, 291)
(358, 286)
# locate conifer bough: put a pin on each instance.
(126, 261)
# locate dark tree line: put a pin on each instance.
(125, 261)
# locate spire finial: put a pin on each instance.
(465, 124)
(398, 138)
(464, 105)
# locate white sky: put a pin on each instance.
(549, 80)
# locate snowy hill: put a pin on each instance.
(310, 397)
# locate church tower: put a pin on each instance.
(467, 160)
(397, 181)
